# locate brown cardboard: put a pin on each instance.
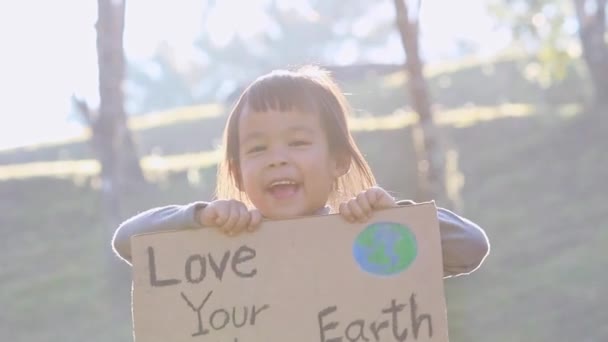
(303, 284)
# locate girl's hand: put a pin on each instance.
(229, 216)
(360, 208)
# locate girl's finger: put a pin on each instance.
(373, 196)
(243, 220)
(381, 199)
(256, 220)
(345, 212)
(356, 211)
(364, 203)
(233, 217)
(222, 213)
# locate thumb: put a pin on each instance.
(256, 220)
(383, 199)
(208, 216)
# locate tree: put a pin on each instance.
(166, 86)
(591, 17)
(295, 35)
(543, 26)
(316, 31)
(111, 139)
(112, 143)
(430, 154)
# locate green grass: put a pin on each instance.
(156, 164)
(540, 195)
(534, 183)
(534, 174)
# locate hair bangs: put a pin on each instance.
(283, 91)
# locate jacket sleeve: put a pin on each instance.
(172, 217)
(464, 244)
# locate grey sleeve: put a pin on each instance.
(464, 244)
(172, 217)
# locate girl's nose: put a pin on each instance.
(278, 163)
(278, 157)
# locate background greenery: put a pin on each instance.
(532, 159)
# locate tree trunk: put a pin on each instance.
(430, 154)
(592, 31)
(113, 145)
(112, 139)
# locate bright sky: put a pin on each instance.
(48, 49)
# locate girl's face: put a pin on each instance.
(286, 167)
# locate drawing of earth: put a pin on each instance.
(385, 248)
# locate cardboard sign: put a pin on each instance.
(308, 279)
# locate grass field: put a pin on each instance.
(534, 179)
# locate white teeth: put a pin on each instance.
(283, 182)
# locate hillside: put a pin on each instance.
(471, 86)
(535, 183)
(533, 163)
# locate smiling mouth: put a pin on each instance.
(283, 189)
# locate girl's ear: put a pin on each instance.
(342, 166)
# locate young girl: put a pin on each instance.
(289, 153)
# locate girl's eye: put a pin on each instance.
(255, 149)
(299, 143)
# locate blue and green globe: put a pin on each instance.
(385, 248)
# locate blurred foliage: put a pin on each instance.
(545, 28)
(323, 32)
(466, 86)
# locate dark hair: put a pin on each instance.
(311, 90)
